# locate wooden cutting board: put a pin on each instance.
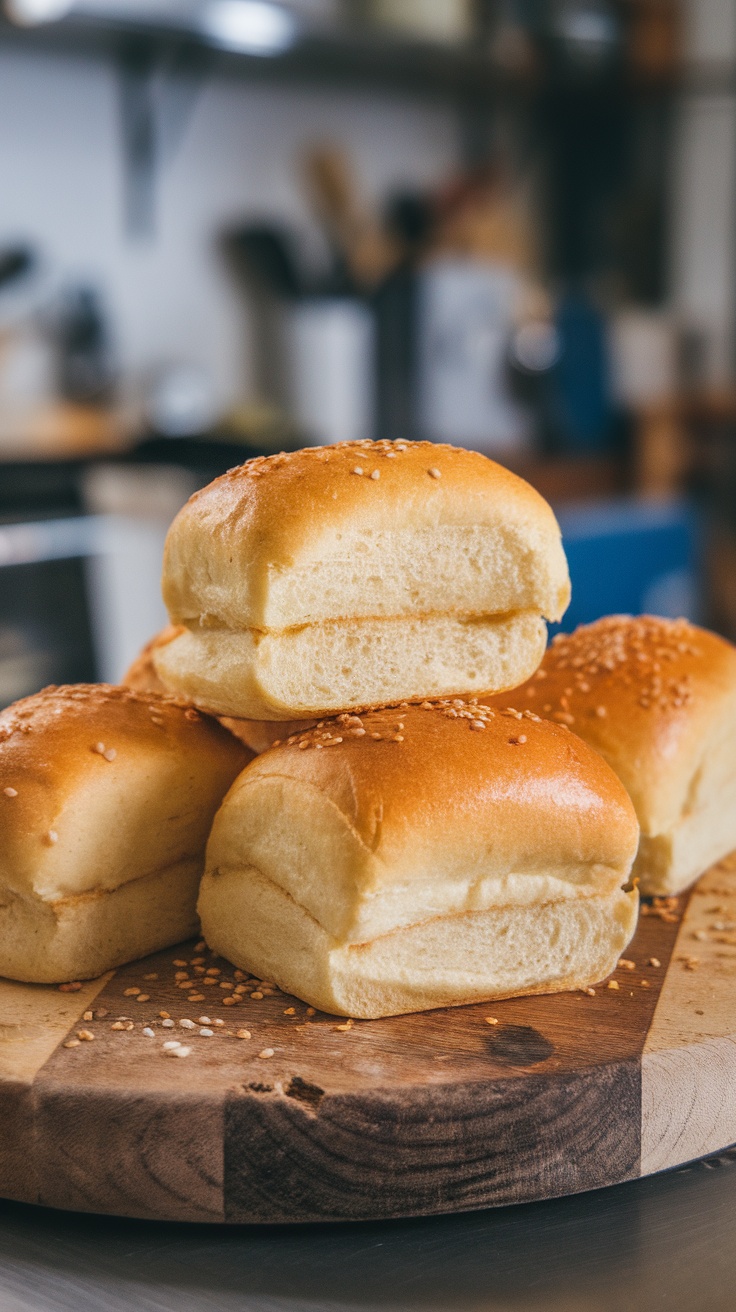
(310, 1120)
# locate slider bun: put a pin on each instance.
(403, 860)
(106, 800)
(657, 699)
(258, 735)
(305, 586)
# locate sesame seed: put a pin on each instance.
(398, 738)
(86, 1036)
(131, 993)
(148, 1032)
(52, 837)
(290, 1011)
(625, 964)
(110, 754)
(170, 1045)
(242, 1034)
(376, 475)
(196, 997)
(207, 1033)
(590, 992)
(491, 1020)
(266, 1052)
(376, 736)
(187, 1024)
(613, 984)
(231, 1001)
(10, 792)
(168, 1024)
(476, 724)
(178, 962)
(73, 987)
(310, 1011)
(99, 748)
(152, 976)
(179, 1052)
(655, 962)
(257, 995)
(434, 473)
(357, 470)
(143, 997)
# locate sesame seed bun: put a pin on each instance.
(106, 800)
(657, 699)
(423, 857)
(358, 574)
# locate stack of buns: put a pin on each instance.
(439, 813)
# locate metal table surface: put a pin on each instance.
(667, 1242)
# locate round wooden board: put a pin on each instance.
(415, 1115)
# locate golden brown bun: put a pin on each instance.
(358, 574)
(408, 859)
(258, 735)
(657, 699)
(106, 801)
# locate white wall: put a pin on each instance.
(704, 188)
(61, 186)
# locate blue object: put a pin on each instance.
(583, 375)
(629, 557)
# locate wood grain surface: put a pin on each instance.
(311, 1117)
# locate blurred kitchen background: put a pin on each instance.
(231, 227)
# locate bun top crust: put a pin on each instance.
(99, 784)
(647, 693)
(320, 534)
(456, 776)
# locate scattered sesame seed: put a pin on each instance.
(290, 1011)
(257, 995)
(654, 961)
(187, 1024)
(10, 792)
(131, 992)
(72, 1043)
(613, 984)
(357, 470)
(52, 836)
(178, 962)
(154, 976)
(310, 1011)
(143, 997)
(491, 1020)
(590, 992)
(170, 1044)
(231, 1001)
(195, 997)
(72, 987)
(203, 1020)
(645, 983)
(376, 475)
(149, 1033)
(207, 1033)
(168, 1024)
(266, 1052)
(476, 724)
(242, 1034)
(179, 1052)
(110, 754)
(434, 473)
(86, 1036)
(88, 1015)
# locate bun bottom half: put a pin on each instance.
(451, 960)
(321, 669)
(44, 941)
